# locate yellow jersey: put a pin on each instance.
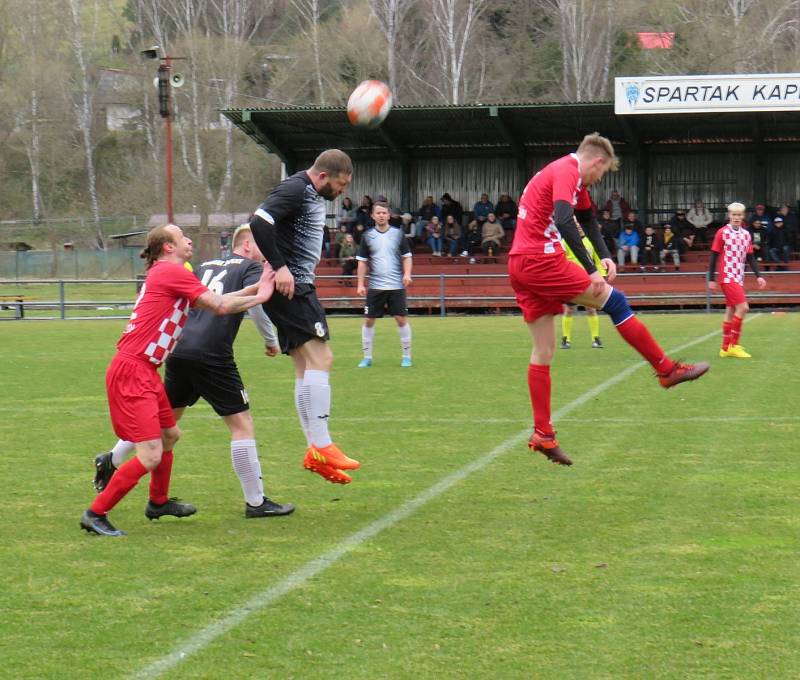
(589, 249)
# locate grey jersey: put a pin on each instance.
(207, 336)
(384, 251)
(297, 212)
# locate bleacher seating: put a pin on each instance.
(468, 288)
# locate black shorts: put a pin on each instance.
(186, 380)
(298, 320)
(392, 302)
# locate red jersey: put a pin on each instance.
(734, 245)
(536, 233)
(160, 312)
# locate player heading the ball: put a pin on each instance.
(544, 279)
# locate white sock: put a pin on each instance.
(405, 339)
(121, 451)
(367, 336)
(302, 409)
(317, 396)
(244, 456)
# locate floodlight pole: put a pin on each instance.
(165, 109)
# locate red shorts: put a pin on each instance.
(734, 293)
(136, 400)
(543, 284)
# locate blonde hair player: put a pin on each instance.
(733, 246)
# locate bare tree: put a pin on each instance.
(390, 15)
(309, 12)
(84, 108)
(586, 38)
(454, 23)
(237, 22)
(769, 24)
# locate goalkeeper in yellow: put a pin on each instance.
(569, 310)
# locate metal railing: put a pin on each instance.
(24, 305)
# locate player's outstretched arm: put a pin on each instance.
(235, 302)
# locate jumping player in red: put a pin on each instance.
(544, 279)
(734, 244)
(140, 410)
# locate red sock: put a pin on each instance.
(637, 336)
(539, 388)
(726, 334)
(124, 479)
(736, 329)
(159, 479)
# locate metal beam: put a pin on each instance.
(517, 148)
(760, 174)
(405, 165)
(252, 130)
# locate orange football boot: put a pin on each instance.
(548, 445)
(312, 463)
(681, 373)
(333, 456)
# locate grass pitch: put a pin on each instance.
(668, 550)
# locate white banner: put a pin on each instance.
(699, 94)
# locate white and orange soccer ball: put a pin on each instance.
(369, 104)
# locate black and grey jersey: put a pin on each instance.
(206, 335)
(384, 251)
(289, 226)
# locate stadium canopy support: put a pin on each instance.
(517, 148)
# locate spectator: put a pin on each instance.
(225, 244)
(700, 219)
(628, 246)
(760, 240)
(427, 210)
(358, 231)
(492, 235)
(617, 207)
(630, 218)
(409, 228)
(761, 214)
(326, 241)
(451, 207)
(672, 246)
(452, 235)
(779, 250)
(506, 212)
(472, 239)
(435, 236)
(347, 255)
(651, 247)
(338, 240)
(791, 224)
(364, 215)
(347, 214)
(482, 209)
(610, 230)
(680, 227)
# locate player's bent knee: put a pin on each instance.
(617, 307)
(149, 453)
(170, 437)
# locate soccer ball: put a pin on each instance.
(369, 104)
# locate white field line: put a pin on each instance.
(309, 570)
